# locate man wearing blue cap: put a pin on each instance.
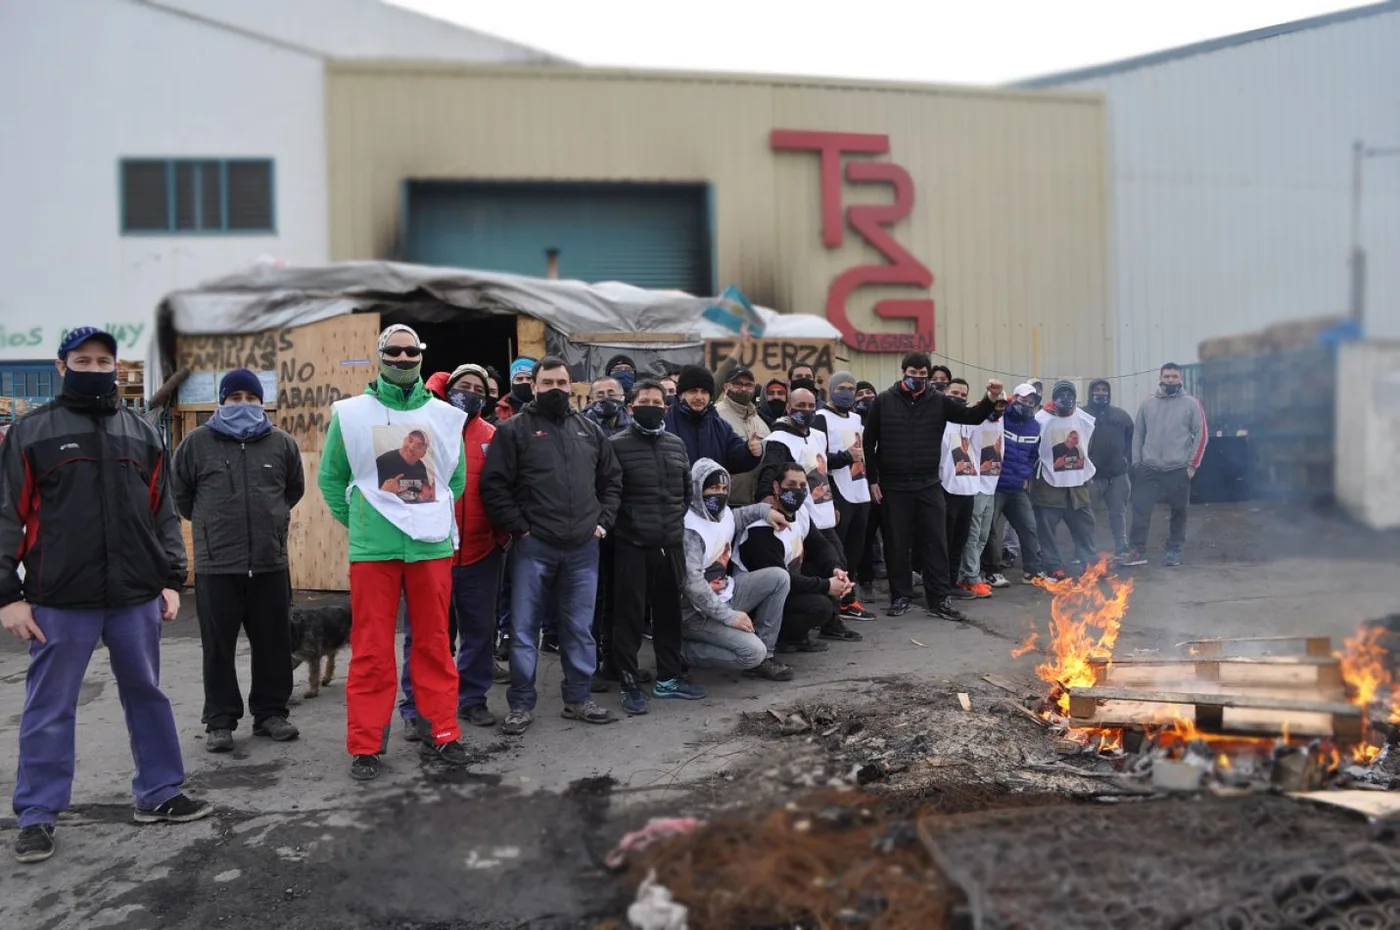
(85, 505)
(236, 479)
(522, 388)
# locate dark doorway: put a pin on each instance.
(488, 340)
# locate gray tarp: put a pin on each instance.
(271, 297)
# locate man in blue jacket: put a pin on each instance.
(1013, 498)
(694, 419)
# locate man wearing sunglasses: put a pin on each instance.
(401, 544)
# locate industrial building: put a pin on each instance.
(153, 144)
(1239, 193)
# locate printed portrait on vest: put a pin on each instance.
(1068, 452)
(405, 468)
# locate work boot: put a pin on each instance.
(411, 732)
(218, 741)
(277, 729)
(836, 630)
(364, 768)
(477, 715)
(451, 753)
(770, 669)
(34, 843)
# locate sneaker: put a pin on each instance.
(277, 729)
(679, 688)
(588, 712)
(1033, 577)
(634, 701)
(178, 809)
(411, 733)
(1172, 559)
(218, 741)
(550, 643)
(500, 672)
(998, 580)
(898, 607)
(364, 768)
(1058, 574)
(451, 753)
(963, 591)
(1121, 554)
(944, 610)
(517, 722)
(477, 715)
(770, 669)
(866, 591)
(1135, 557)
(834, 629)
(34, 843)
(855, 610)
(975, 588)
(918, 579)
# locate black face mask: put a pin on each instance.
(715, 503)
(524, 392)
(648, 418)
(554, 403)
(801, 383)
(792, 498)
(915, 385)
(469, 402)
(1170, 389)
(862, 406)
(608, 408)
(960, 401)
(940, 386)
(1098, 400)
(777, 406)
(1064, 406)
(89, 385)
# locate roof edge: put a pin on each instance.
(1076, 75)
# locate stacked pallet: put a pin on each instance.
(131, 381)
(1223, 689)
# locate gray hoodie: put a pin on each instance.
(699, 600)
(1170, 433)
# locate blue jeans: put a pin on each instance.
(983, 511)
(474, 589)
(542, 575)
(1020, 515)
(48, 726)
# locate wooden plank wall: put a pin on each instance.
(316, 365)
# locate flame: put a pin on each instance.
(1084, 625)
(1370, 681)
(1222, 762)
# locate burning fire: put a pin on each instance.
(1084, 624)
(1366, 669)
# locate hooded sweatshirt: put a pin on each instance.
(709, 541)
(1170, 432)
(1112, 444)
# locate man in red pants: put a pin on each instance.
(391, 471)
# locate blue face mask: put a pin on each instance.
(843, 400)
(627, 379)
(240, 421)
(801, 417)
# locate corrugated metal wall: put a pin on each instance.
(1010, 206)
(1232, 187)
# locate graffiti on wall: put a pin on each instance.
(40, 337)
(873, 223)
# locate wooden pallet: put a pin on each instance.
(1248, 713)
(1318, 646)
(1319, 677)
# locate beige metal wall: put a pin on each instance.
(1010, 207)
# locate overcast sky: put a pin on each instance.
(940, 41)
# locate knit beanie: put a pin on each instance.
(1064, 387)
(468, 369)
(399, 328)
(695, 376)
(839, 378)
(865, 386)
(618, 360)
(240, 379)
(524, 363)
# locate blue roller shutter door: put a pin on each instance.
(653, 236)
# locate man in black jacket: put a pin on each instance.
(648, 550)
(818, 582)
(1111, 449)
(236, 479)
(903, 447)
(552, 481)
(85, 506)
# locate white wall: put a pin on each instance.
(88, 82)
(1368, 432)
(1231, 199)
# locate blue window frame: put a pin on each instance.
(197, 196)
(35, 381)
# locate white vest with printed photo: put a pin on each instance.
(957, 467)
(792, 538)
(810, 453)
(842, 435)
(421, 509)
(1064, 449)
(990, 446)
(716, 534)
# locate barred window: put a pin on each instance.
(188, 196)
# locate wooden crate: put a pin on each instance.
(1251, 714)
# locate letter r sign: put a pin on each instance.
(873, 223)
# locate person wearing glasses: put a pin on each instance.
(392, 470)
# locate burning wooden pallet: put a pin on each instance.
(1301, 694)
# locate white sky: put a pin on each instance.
(937, 41)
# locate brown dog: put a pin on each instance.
(319, 633)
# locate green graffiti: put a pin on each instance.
(21, 338)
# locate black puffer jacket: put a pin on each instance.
(655, 488)
(85, 503)
(554, 479)
(239, 496)
(904, 436)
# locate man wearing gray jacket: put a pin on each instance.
(1169, 440)
(237, 479)
(730, 618)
